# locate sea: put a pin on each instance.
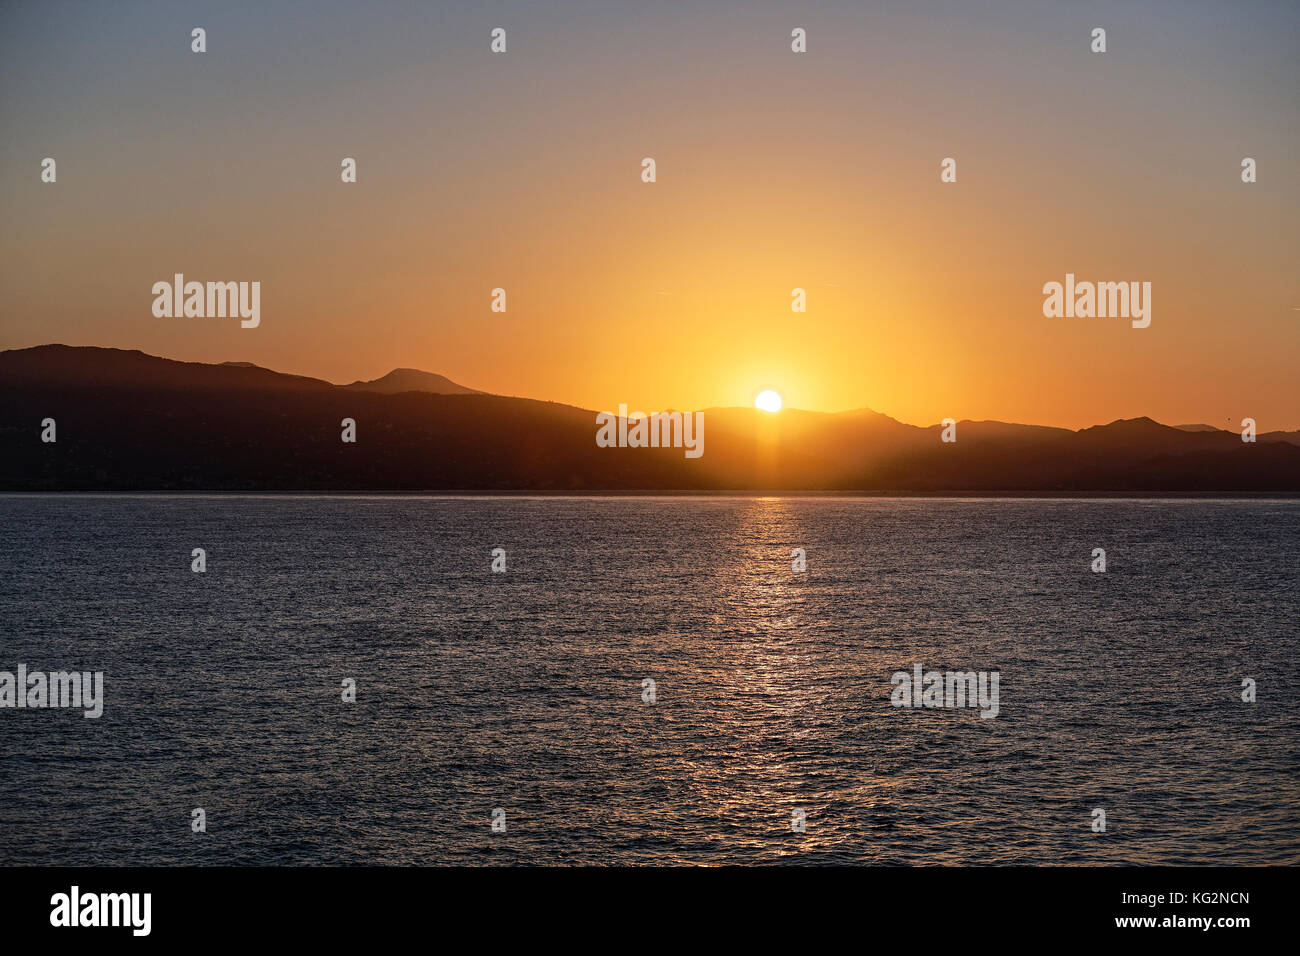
(651, 680)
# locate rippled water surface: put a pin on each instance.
(523, 690)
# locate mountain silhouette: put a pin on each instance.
(128, 421)
(413, 380)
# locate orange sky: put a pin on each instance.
(775, 170)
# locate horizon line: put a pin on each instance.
(489, 394)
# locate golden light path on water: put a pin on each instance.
(775, 675)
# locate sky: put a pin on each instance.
(775, 170)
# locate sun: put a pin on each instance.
(769, 400)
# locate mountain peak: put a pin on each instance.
(413, 380)
(1141, 423)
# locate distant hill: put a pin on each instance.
(1289, 437)
(413, 380)
(130, 421)
(1292, 437)
(89, 367)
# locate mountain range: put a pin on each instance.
(127, 421)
